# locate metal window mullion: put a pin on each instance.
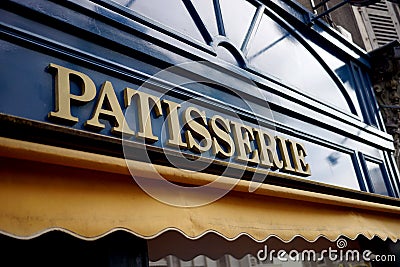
(198, 21)
(218, 16)
(252, 29)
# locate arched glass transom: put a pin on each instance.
(267, 46)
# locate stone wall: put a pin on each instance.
(385, 76)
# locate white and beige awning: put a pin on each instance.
(43, 188)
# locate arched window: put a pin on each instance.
(257, 40)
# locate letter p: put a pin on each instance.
(63, 96)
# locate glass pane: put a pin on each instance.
(237, 16)
(343, 71)
(266, 52)
(369, 116)
(160, 11)
(377, 179)
(369, 98)
(331, 167)
(205, 9)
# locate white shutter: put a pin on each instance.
(380, 24)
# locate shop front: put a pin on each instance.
(189, 134)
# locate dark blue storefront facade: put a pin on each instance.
(251, 65)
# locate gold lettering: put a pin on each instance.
(287, 165)
(252, 145)
(268, 156)
(174, 127)
(196, 130)
(63, 94)
(243, 145)
(221, 134)
(298, 153)
(113, 112)
(144, 109)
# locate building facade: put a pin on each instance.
(370, 26)
(190, 133)
(374, 27)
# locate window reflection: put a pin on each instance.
(367, 100)
(237, 16)
(343, 71)
(377, 178)
(165, 12)
(331, 167)
(205, 9)
(275, 51)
